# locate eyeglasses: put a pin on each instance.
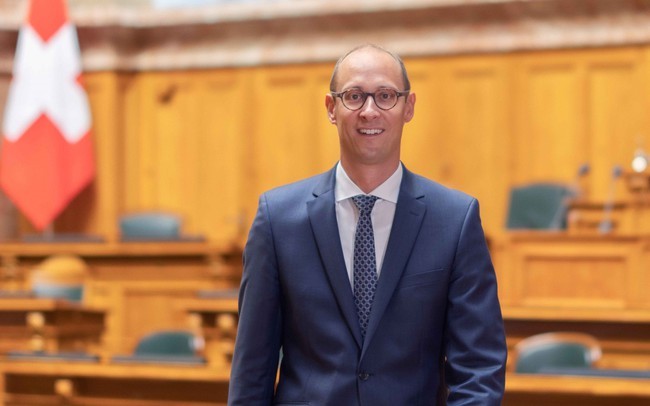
(385, 99)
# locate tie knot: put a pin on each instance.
(364, 203)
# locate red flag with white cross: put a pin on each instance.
(47, 152)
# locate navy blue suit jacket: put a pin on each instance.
(436, 300)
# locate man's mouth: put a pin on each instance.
(370, 131)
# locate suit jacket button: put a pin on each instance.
(364, 376)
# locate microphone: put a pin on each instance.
(606, 226)
(583, 170)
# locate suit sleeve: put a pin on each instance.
(475, 340)
(255, 359)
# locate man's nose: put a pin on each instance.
(369, 106)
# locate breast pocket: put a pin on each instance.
(423, 278)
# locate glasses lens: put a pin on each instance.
(386, 98)
(354, 99)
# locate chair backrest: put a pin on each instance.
(60, 277)
(71, 293)
(171, 342)
(538, 206)
(557, 350)
(151, 225)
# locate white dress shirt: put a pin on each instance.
(382, 214)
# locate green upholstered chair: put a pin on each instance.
(557, 350)
(538, 206)
(171, 342)
(73, 293)
(60, 277)
(150, 226)
(166, 347)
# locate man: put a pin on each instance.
(386, 300)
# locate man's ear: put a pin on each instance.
(409, 110)
(330, 104)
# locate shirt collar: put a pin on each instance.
(389, 190)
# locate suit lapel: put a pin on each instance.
(409, 213)
(322, 215)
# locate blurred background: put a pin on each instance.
(539, 108)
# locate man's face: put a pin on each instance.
(370, 136)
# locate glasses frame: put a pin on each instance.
(340, 95)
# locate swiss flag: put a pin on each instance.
(47, 152)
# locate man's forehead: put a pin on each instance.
(369, 56)
(369, 61)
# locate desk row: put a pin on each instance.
(80, 383)
(41, 327)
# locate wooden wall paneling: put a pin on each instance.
(286, 130)
(476, 137)
(550, 139)
(327, 139)
(129, 115)
(162, 151)
(422, 138)
(617, 118)
(174, 142)
(224, 136)
(185, 152)
(135, 125)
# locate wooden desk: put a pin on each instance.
(554, 390)
(590, 273)
(32, 324)
(593, 284)
(138, 283)
(625, 342)
(626, 217)
(586, 217)
(139, 259)
(69, 383)
(629, 214)
(216, 320)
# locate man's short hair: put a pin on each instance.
(405, 78)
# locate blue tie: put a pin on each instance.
(365, 262)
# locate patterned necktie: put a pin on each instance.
(365, 262)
